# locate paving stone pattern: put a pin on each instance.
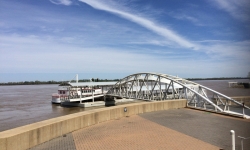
(208, 127)
(177, 129)
(135, 132)
(65, 142)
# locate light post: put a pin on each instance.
(233, 139)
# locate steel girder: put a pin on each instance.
(155, 86)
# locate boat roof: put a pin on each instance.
(92, 83)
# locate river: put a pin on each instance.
(24, 104)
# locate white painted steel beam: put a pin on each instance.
(154, 86)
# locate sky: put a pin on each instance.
(107, 39)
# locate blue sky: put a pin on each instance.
(55, 39)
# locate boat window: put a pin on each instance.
(63, 92)
(60, 92)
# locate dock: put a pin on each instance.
(239, 85)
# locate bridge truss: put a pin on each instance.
(158, 87)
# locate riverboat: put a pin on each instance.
(65, 93)
(80, 92)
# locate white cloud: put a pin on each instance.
(208, 41)
(151, 42)
(31, 54)
(236, 50)
(61, 2)
(47, 56)
(163, 31)
(101, 45)
(239, 9)
(181, 16)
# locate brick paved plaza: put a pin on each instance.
(171, 129)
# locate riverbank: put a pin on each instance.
(107, 80)
(52, 82)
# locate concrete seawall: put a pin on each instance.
(31, 135)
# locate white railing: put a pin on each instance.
(241, 140)
(153, 86)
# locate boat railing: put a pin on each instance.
(64, 98)
(55, 95)
(68, 97)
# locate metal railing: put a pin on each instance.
(241, 140)
(154, 87)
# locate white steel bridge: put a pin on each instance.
(158, 87)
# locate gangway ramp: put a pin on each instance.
(159, 87)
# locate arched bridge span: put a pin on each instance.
(158, 87)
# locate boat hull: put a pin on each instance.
(56, 100)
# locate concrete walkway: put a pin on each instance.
(171, 129)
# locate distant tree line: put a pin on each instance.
(221, 78)
(31, 82)
(56, 82)
(104, 80)
(96, 80)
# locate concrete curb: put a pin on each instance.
(33, 134)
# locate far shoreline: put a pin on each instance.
(106, 80)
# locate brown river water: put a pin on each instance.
(25, 104)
